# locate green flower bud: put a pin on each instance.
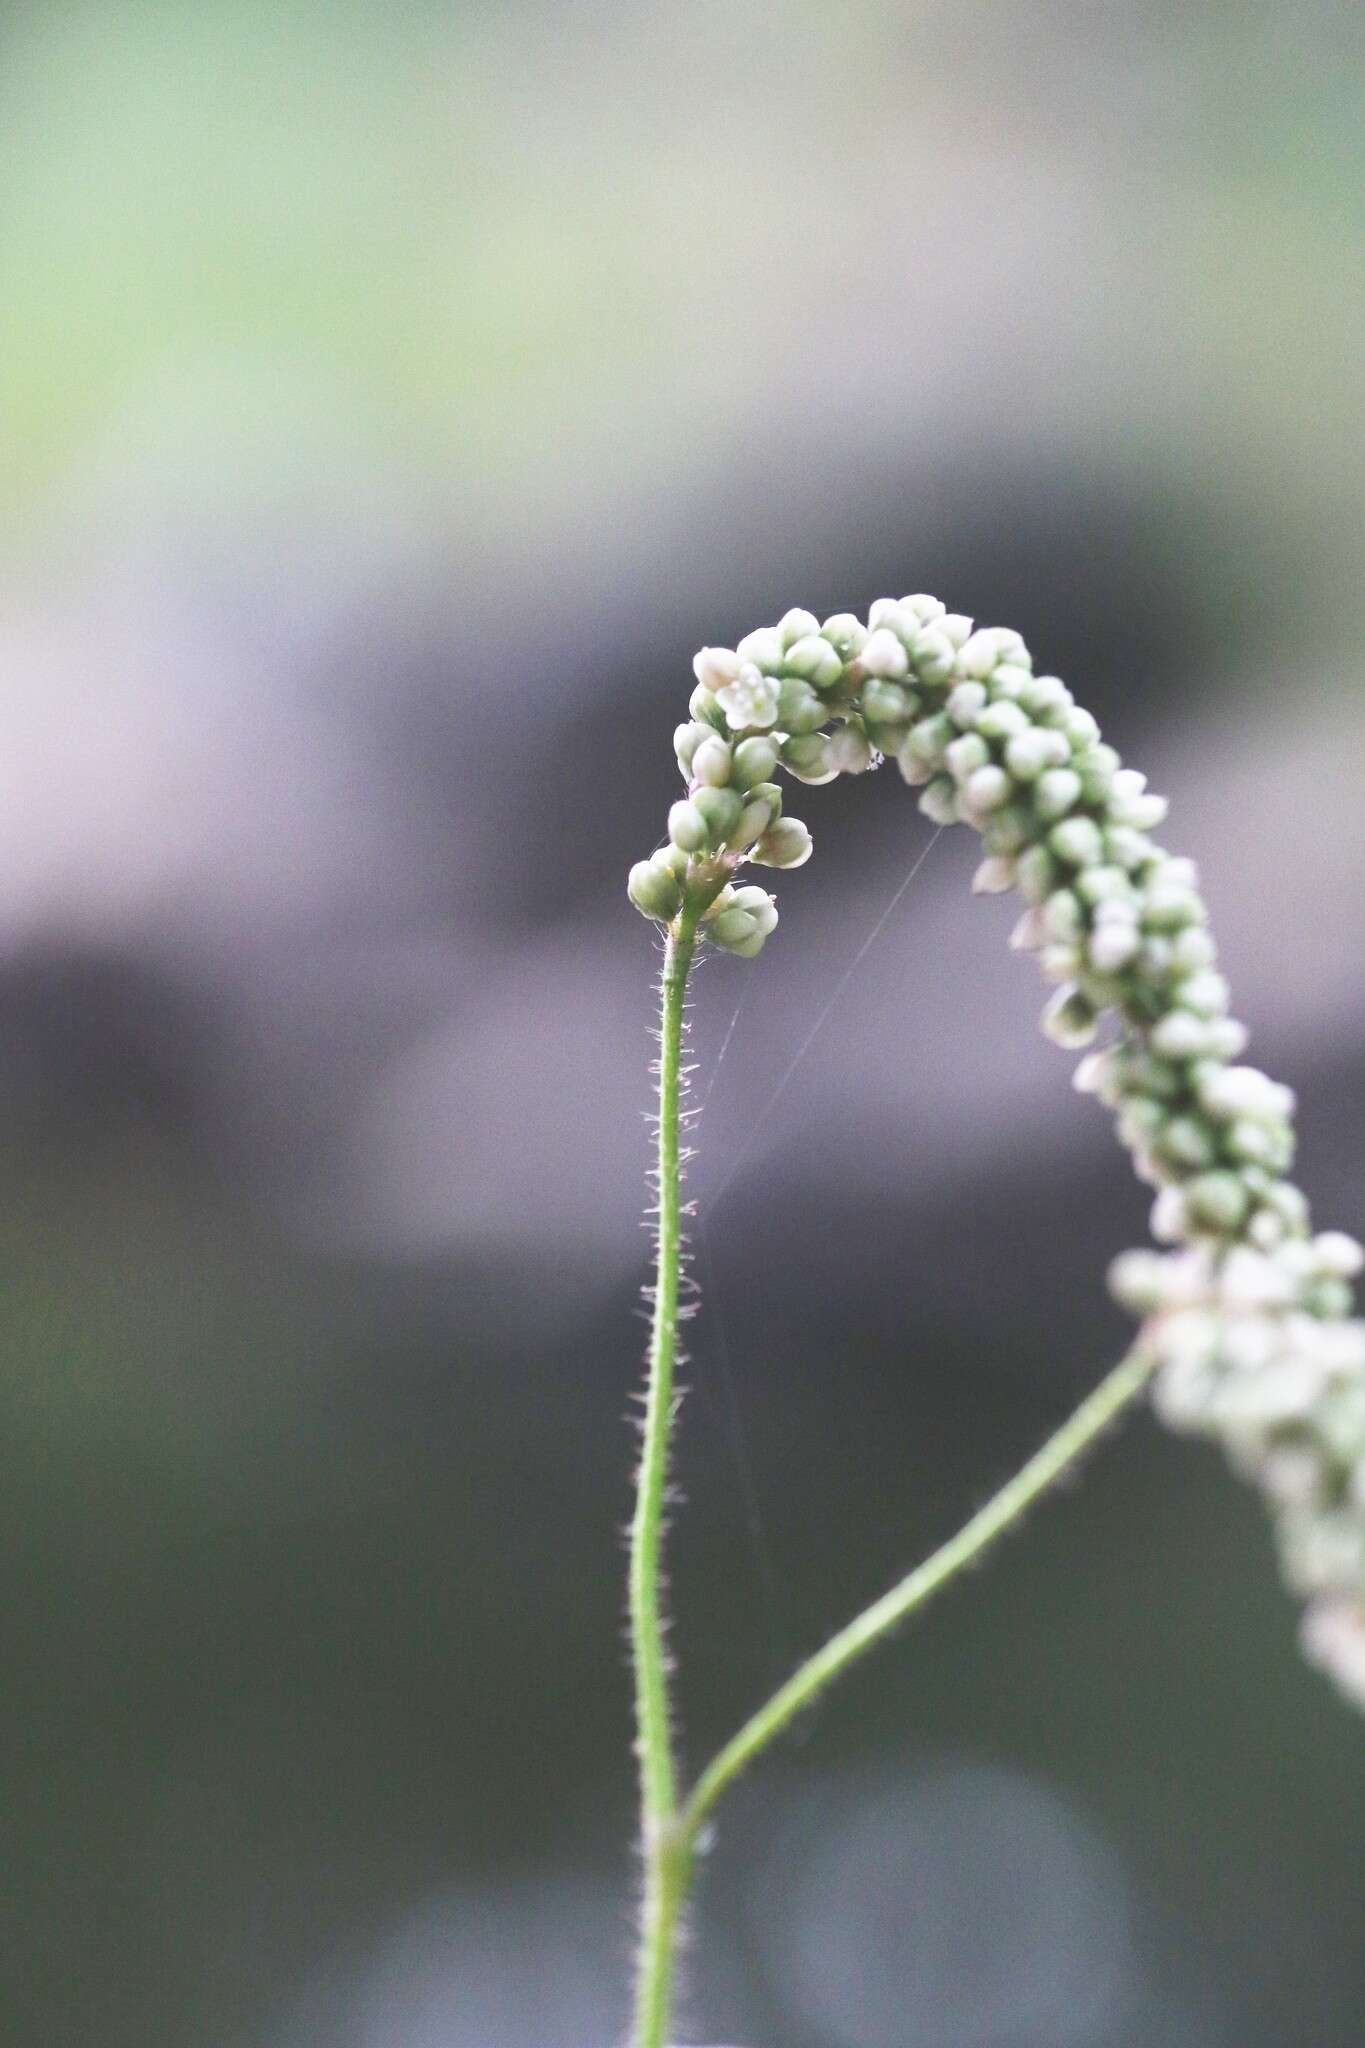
(938, 800)
(1055, 792)
(845, 634)
(733, 927)
(1008, 684)
(654, 892)
(1192, 949)
(686, 740)
(1077, 841)
(711, 762)
(687, 827)
(1007, 830)
(702, 705)
(816, 660)
(787, 844)
(933, 655)
(927, 743)
(966, 703)
(754, 761)
(1030, 752)
(799, 709)
(1002, 720)
(721, 809)
(1103, 884)
(769, 793)
(1216, 1200)
(1079, 728)
(1038, 874)
(886, 703)
(965, 755)
(1187, 1142)
(1069, 1020)
(1047, 699)
(1166, 908)
(1097, 767)
(809, 758)
(754, 821)
(1063, 918)
(985, 791)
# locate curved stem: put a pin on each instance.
(664, 1849)
(1059, 1453)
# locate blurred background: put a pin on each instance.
(394, 397)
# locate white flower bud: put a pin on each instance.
(1338, 1255)
(1170, 1221)
(1112, 946)
(884, 655)
(955, 626)
(714, 667)
(763, 648)
(881, 612)
(1009, 682)
(1030, 752)
(711, 762)
(1246, 1092)
(994, 876)
(850, 750)
(796, 625)
(787, 845)
(1030, 933)
(1180, 1035)
(759, 905)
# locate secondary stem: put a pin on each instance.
(1071, 1441)
(665, 1850)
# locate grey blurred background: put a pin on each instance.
(394, 397)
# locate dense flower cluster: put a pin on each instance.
(1248, 1318)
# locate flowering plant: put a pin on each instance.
(1246, 1330)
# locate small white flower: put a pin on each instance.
(750, 700)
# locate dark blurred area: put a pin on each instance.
(395, 397)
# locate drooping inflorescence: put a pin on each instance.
(1248, 1317)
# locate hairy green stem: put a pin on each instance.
(669, 1831)
(866, 1630)
(664, 1850)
